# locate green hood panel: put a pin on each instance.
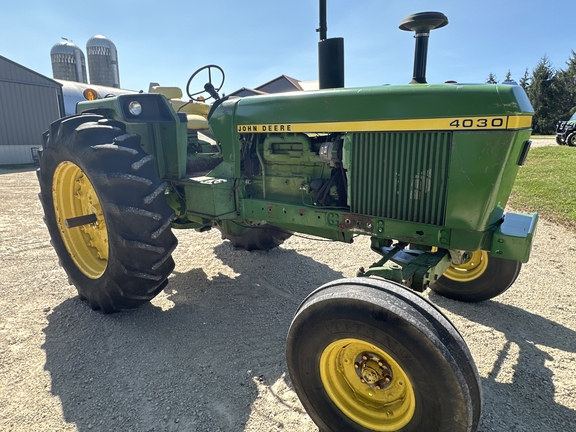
(407, 102)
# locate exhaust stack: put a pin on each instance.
(421, 23)
(330, 55)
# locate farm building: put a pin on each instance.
(29, 102)
(278, 85)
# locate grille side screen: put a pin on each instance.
(400, 175)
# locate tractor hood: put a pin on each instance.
(385, 108)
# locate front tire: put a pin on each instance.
(560, 140)
(120, 256)
(481, 278)
(370, 355)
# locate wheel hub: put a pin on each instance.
(367, 384)
(472, 268)
(74, 198)
(373, 371)
(86, 195)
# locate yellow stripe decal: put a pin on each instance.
(519, 122)
(455, 123)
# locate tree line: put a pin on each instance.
(551, 91)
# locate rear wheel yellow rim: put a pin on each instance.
(471, 269)
(367, 385)
(74, 196)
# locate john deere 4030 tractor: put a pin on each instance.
(424, 170)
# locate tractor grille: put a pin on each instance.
(400, 175)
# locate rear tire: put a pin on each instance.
(481, 278)
(370, 355)
(90, 165)
(249, 238)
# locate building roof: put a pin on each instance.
(100, 41)
(282, 78)
(310, 85)
(12, 71)
(65, 47)
(247, 92)
(280, 84)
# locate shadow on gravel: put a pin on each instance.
(528, 400)
(191, 367)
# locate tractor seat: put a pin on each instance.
(196, 122)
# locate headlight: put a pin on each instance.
(135, 108)
(145, 108)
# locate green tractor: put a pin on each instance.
(424, 170)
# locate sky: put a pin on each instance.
(255, 41)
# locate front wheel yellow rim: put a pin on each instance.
(367, 385)
(74, 196)
(471, 269)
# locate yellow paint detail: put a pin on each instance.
(470, 270)
(454, 123)
(73, 196)
(519, 122)
(387, 409)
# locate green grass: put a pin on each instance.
(547, 184)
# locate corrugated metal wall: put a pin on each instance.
(29, 102)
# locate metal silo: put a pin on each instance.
(103, 61)
(68, 62)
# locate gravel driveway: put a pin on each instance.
(208, 353)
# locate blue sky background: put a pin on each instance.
(257, 40)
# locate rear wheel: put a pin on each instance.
(370, 355)
(105, 211)
(263, 237)
(480, 278)
(571, 139)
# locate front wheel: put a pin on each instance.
(560, 140)
(571, 139)
(370, 355)
(105, 211)
(480, 278)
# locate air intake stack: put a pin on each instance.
(421, 23)
(330, 55)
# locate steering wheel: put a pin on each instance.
(209, 87)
